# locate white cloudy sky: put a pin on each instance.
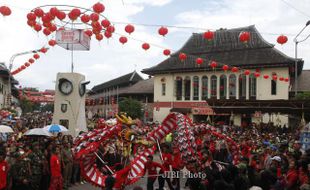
(109, 59)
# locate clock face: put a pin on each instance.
(82, 90)
(65, 86)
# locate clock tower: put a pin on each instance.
(69, 104)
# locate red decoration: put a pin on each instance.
(31, 23)
(39, 12)
(123, 40)
(234, 69)
(282, 39)
(281, 79)
(274, 77)
(31, 16)
(85, 18)
(5, 11)
(43, 50)
(46, 31)
(47, 24)
(244, 37)
(166, 52)
(129, 28)
(88, 33)
(23, 67)
(36, 56)
(199, 61)
(54, 11)
(61, 15)
(31, 60)
(266, 76)
(247, 72)
(182, 56)
(99, 37)
(96, 25)
(76, 12)
(225, 67)
(27, 64)
(163, 31)
(52, 42)
(111, 29)
(105, 23)
(209, 35)
(146, 46)
(94, 17)
(98, 8)
(213, 64)
(46, 18)
(37, 27)
(257, 74)
(52, 27)
(286, 79)
(107, 34)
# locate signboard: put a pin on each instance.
(203, 111)
(73, 40)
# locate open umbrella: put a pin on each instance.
(6, 129)
(55, 128)
(38, 132)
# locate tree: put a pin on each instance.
(303, 96)
(28, 106)
(131, 107)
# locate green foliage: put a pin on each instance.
(47, 107)
(28, 106)
(131, 107)
(303, 96)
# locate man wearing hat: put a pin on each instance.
(36, 165)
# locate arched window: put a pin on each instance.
(213, 86)
(187, 88)
(223, 86)
(252, 87)
(204, 88)
(273, 85)
(178, 88)
(195, 88)
(242, 86)
(232, 86)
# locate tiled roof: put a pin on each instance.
(141, 87)
(303, 82)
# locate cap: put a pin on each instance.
(276, 158)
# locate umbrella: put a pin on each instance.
(55, 128)
(6, 129)
(38, 132)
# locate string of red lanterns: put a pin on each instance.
(5, 11)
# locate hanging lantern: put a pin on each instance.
(266, 76)
(107, 34)
(23, 67)
(5, 11)
(281, 79)
(123, 40)
(166, 52)
(94, 17)
(199, 61)
(27, 64)
(61, 15)
(105, 23)
(39, 12)
(234, 69)
(286, 79)
(257, 74)
(98, 8)
(163, 31)
(99, 37)
(37, 27)
(52, 42)
(274, 77)
(247, 72)
(31, 16)
(244, 37)
(88, 33)
(36, 56)
(43, 50)
(76, 12)
(129, 28)
(182, 56)
(213, 64)
(52, 28)
(111, 29)
(96, 25)
(31, 23)
(209, 35)
(54, 11)
(282, 39)
(47, 24)
(46, 31)
(31, 60)
(225, 67)
(146, 46)
(85, 18)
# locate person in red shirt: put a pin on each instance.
(56, 178)
(292, 176)
(150, 168)
(4, 167)
(177, 165)
(167, 162)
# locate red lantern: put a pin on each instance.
(52, 42)
(209, 35)
(98, 8)
(123, 40)
(88, 33)
(54, 11)
(46, 31)
(274, 77)
(166, 52)
(36, 56)
(244, 37)
(213, 64)
(111, 29)
(129, 28)
(281, 79)
(31, 60)
(39, 12)
(43, 50)
(107, 34)
(247, 72)
(182, 56)
(234, 69)
(85, 18)
(257, 74)
(27, 64)
(266, 76)
(75, 12)
(52, 27)
(5, 11)
(282, 39)
(31, 23)
(105, 23)
(199, 61)
(94, 17)
(37, 27)
(146, 46)
(163, 31)
(47, 24)
(96, 25)
(23, 67)
(46, 18)
(61, 15)
(99, 37)
(286, 79)
(225, 67)
(31, 16)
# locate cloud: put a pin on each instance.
(149, 2)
